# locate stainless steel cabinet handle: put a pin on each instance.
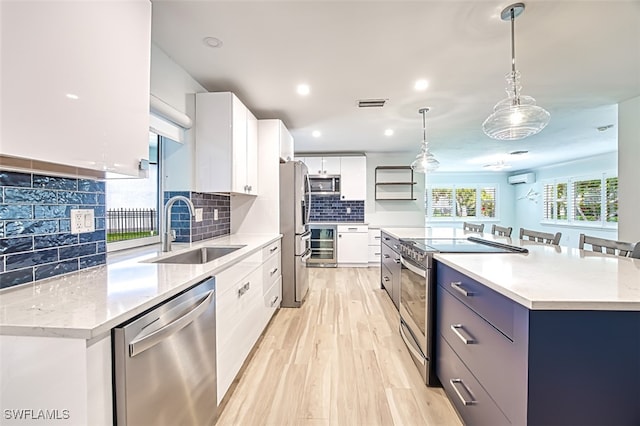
(275, 300)
(386, 279)
(395, 246)
(272, 249)
(386, 256)
(458, 329)
(457, 285)
(397, 260)
(387, 238)
(143, 343)
(377, 254)
(352, 229)
(306, 256)
(242, 290)
(273, 271)
(455, 382)
(376, 237)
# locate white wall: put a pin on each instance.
(393, 213)
(629, 169)
(172, 84)
(528, 213)
(505, 198)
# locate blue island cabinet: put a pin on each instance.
(501, 363)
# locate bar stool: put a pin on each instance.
(541, 237)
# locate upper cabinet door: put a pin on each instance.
(353, 178)
(286, 143)
(75, 83)
(226, 145)
(314, 164)
(331, 165)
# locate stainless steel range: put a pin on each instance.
(417, 292)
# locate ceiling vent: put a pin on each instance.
(371, 103)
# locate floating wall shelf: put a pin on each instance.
(394, 183)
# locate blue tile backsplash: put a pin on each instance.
(330, 208)
(187, 229)
(35, 224)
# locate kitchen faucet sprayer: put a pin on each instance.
(166, 220)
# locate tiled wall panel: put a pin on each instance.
(187, 229)
(330, 208)
(35, 224)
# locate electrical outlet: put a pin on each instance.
(199, 215)
(348, 210)
(82, 220)
(215, 214)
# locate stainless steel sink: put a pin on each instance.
(200, 255)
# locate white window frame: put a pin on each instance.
(570, 221)
(453, 218)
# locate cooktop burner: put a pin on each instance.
(418, 248)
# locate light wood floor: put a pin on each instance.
(338, 360)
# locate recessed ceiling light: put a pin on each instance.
(421, 85)
(388, 132)
(72, 96)
(316, 134)
(303, 89)
(212, 42)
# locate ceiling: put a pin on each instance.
(578, 59)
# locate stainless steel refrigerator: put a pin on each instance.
(294, 219)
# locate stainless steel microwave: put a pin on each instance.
(324, 184)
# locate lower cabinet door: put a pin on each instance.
(239, 316)
(470, 399)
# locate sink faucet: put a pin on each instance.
(166, 220)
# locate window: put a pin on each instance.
(464, 201)
(582, 201)
(132, 205)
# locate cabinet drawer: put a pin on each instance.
(353, 228)
(226, 279)
(270, 250)
(271, 270)
(490, 305)
(493, 358)
(273, 296)
(389, 258)
(386, 279)
(390, 241)
(471, 400)
(375, 253)
(374, 237)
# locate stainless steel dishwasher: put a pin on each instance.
(165, 362)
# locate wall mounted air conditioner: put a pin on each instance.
(523, 178)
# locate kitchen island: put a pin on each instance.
(547, 337)
(55, 334)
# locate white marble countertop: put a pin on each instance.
(88, 303)
(548, 277)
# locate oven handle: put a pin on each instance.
(414, 269)
(410, 345)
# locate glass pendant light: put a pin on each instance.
(425, 161)
(517, 116)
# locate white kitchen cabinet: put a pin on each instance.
(226, 145)
(286, 143)
(353, 241)
(323, 165)
(374, 246)
(353, 178)
(247, 295)
(74, 91)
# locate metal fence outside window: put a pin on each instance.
(128, 224)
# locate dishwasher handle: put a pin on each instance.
(145, 342)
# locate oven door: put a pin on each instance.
(416, 328)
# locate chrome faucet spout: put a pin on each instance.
(166, 220)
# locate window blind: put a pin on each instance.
(442, 202)
(587, 200)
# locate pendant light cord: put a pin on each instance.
(516, 100)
